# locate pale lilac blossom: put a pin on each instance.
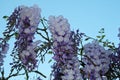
(67, 65)
(27, 21)
(3, 50)
(96, 60)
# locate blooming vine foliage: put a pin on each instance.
(96, 61)
(67, 64)
(116, 57)
(3, 50)
(23, 24)
(28, 20)
(115, 60)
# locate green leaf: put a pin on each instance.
(103, 36)
(5, 17)
(101, 30)
(16, 35)
(50, 52)
(87, 38)
(110, 46)
(98, 36)
(49, 60)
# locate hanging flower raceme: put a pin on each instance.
(27, 21)
(67, 65)
(96, 61)
(3, 50)
(116, 57)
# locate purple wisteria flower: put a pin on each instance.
(96, 60)
(28, 56)
(3, 50)
(29, 16)
(115, 59)
(67, 65)
(27, 21)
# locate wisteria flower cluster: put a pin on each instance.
(3, 50)
(27, 21)
(67, 64)
(116, 58)
(73, 60)
(96, 61)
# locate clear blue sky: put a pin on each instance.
(89, 16)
